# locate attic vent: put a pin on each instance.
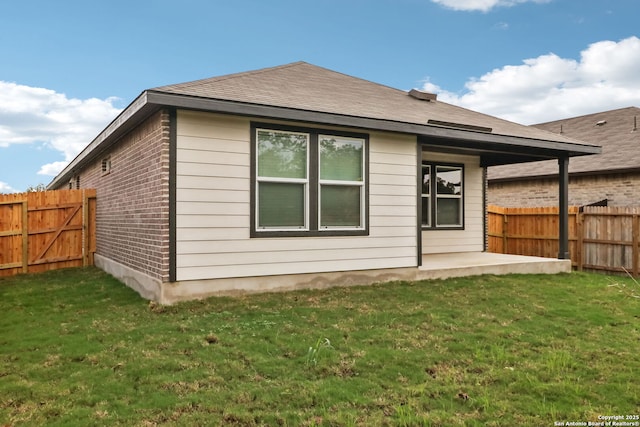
(422, 96)
(601, 123)
(106, 166)
(459, 126)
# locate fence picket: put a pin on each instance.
(600, 238)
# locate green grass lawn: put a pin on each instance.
(79, 348)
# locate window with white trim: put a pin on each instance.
(442, 196)
(308, 182)
(282, 180)
(341, 182)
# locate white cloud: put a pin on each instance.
(482, 5)
(6, 188)
(550, 88)
(35, 115)
(52, 169)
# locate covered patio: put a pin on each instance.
(442, 266)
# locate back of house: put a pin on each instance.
(292, 176)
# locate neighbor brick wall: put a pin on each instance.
(132, 218)
(619, 189)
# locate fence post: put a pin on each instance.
(634, 247)
(579, 239)
(85, 216)
(25, 237)
(505, 221)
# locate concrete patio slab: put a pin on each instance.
(442, 266)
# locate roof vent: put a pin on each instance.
(601, 123)
(459, 126)
(422, 96)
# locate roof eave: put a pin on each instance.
(274, 112)
(582, 173)
(125, 121)
(151, 100)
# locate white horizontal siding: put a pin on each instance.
(212, 158)
(288, 257)
(214, 196)
(213, 183)
(471, 239)
(213, 208)
(218, 171)
(393, 190)
(293, 244)
(212, 236)
(215, 145)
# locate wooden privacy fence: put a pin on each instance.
(46, 230)
(600, 238)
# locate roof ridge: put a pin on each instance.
(587, 115)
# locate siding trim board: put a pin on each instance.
(173, 149)
(419, 204)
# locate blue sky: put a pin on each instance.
(68, 67)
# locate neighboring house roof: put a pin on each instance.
(303, 92)
(616, 131)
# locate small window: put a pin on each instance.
(442, 196)
(106, 165)
(77, 182)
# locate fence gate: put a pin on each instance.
(46, 230)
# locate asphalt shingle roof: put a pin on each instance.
(617, 131)
(305, 92)
(304, 86)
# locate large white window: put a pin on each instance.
(308, 182)
(442, 196)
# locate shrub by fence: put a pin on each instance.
(600, 238)
(46, 230)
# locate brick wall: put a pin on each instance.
(619, 189)
(132, 218)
